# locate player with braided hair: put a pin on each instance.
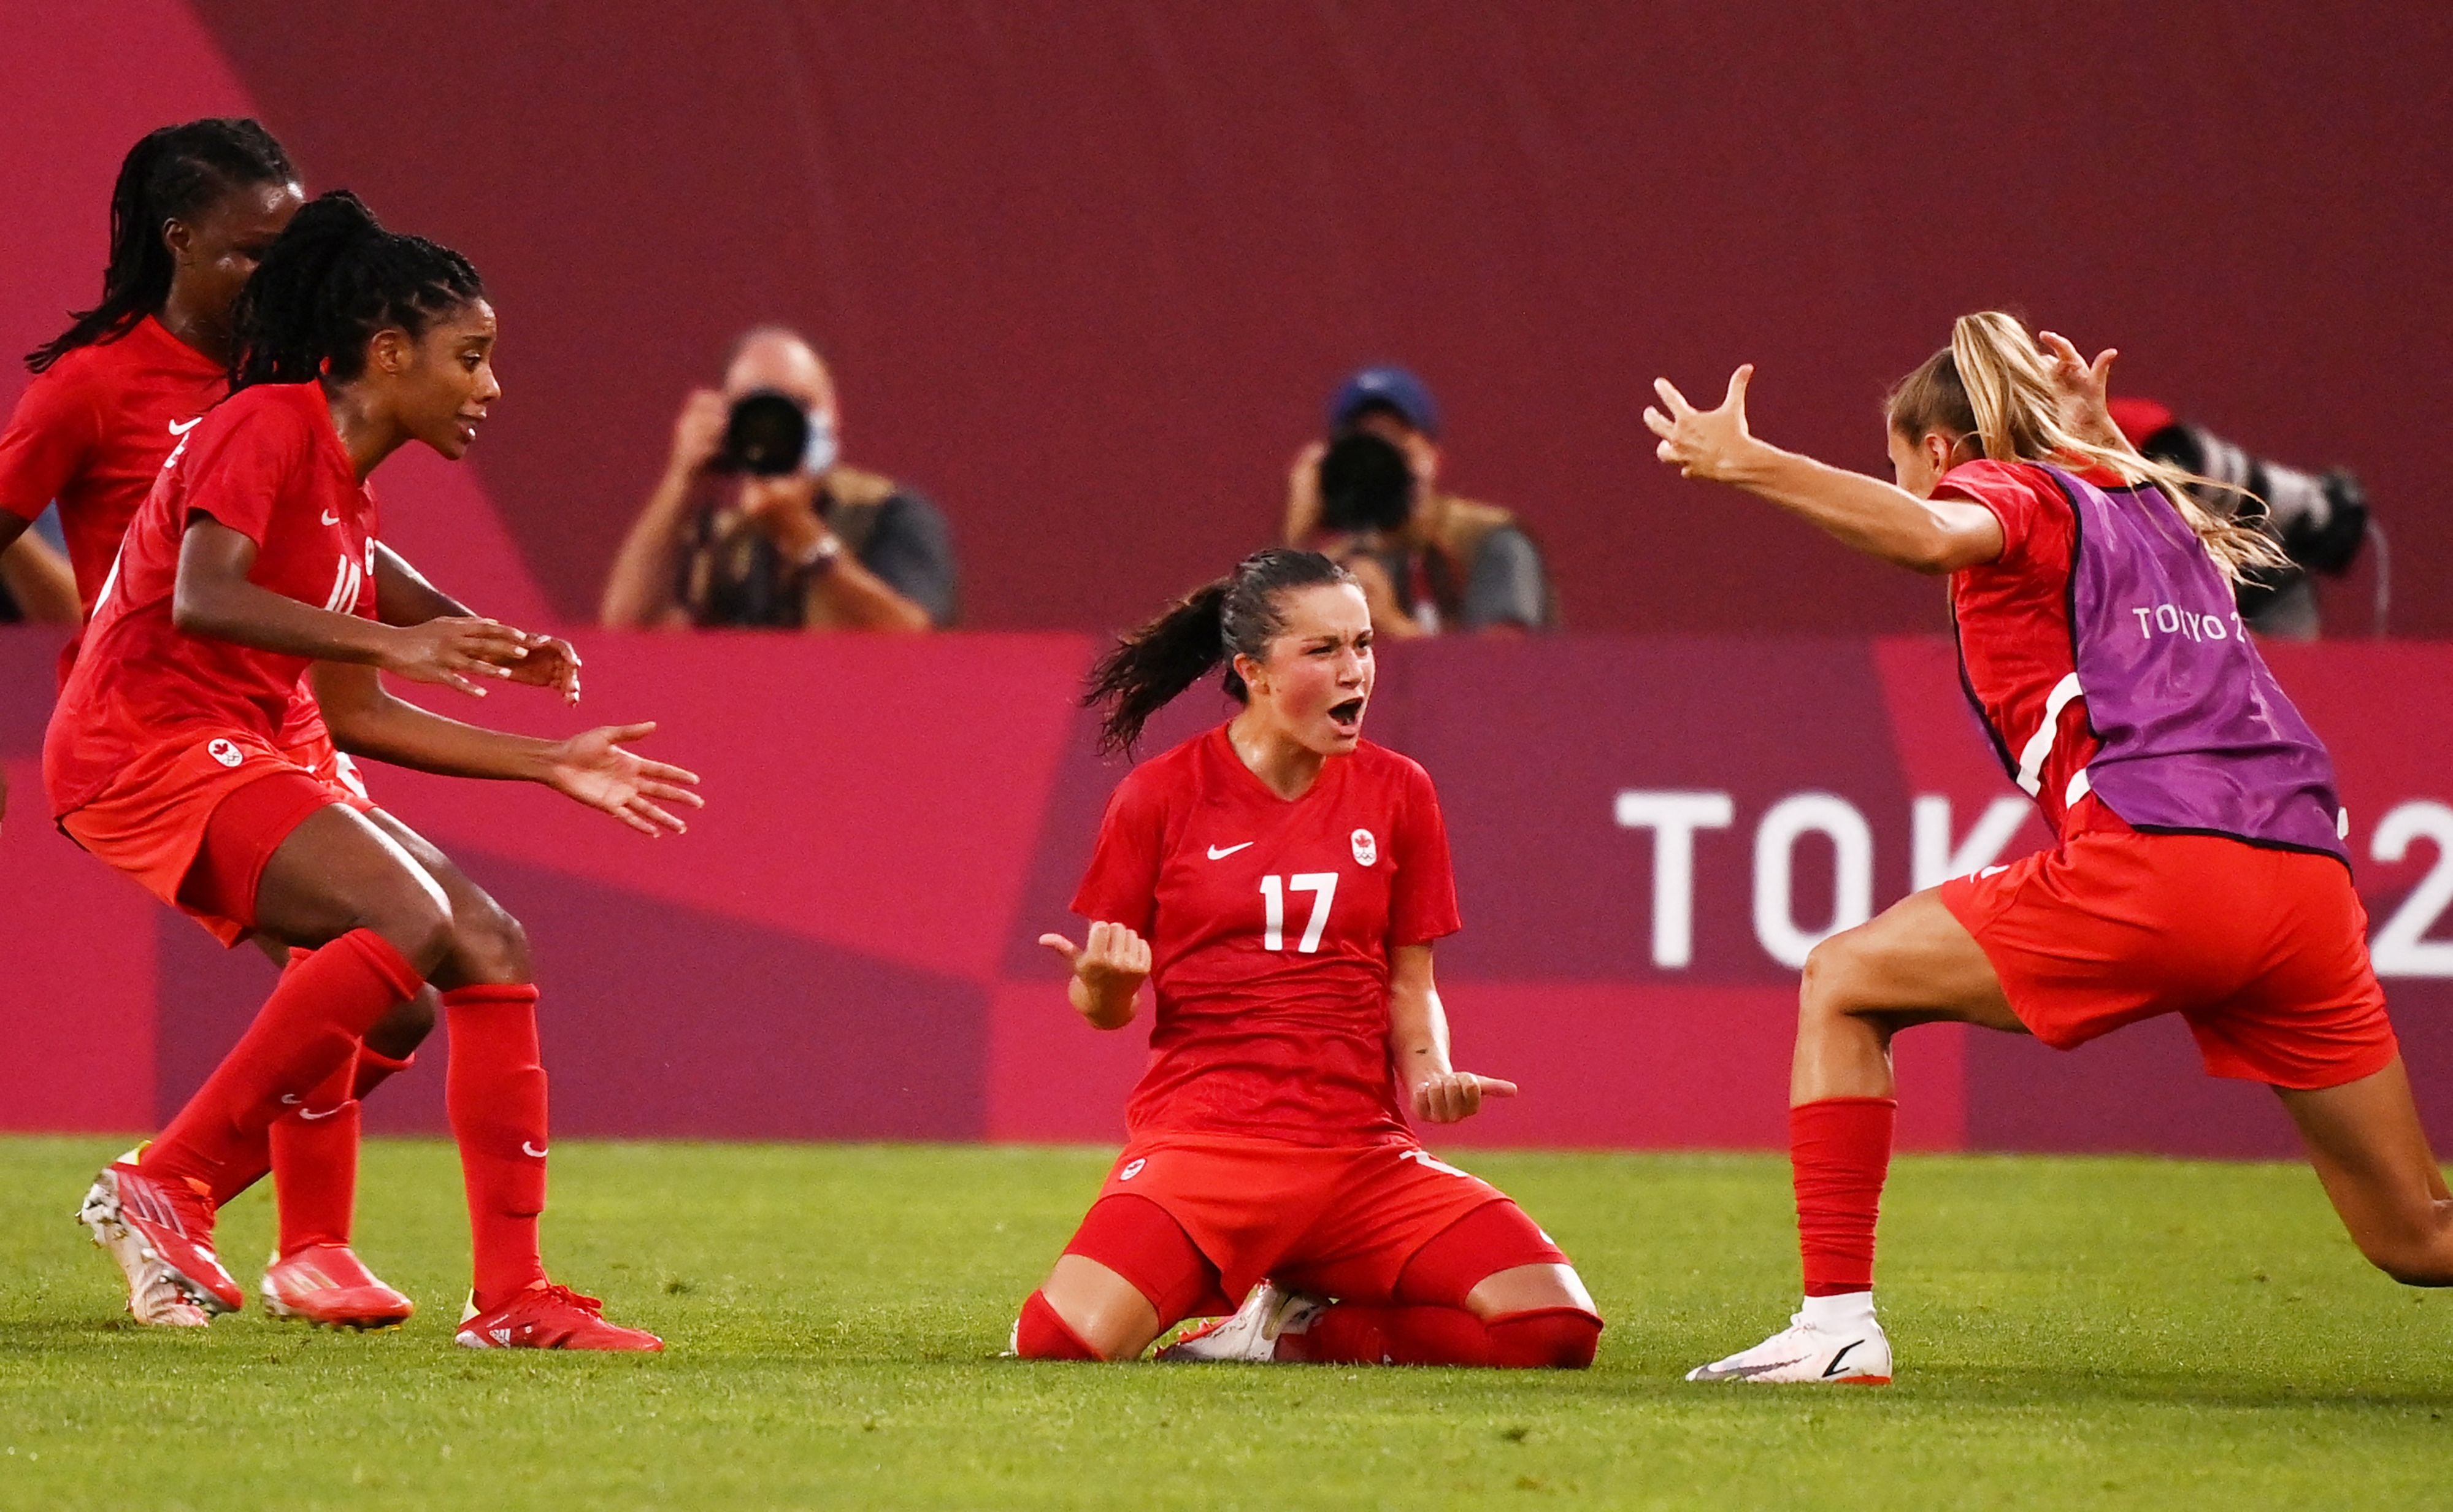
(247, 569)
(192, 210)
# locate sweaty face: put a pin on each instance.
(443, 389)
(214, 255)
(1315, 680)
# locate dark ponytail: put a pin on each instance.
(1211, 625)
(176, 173)
(334, 279)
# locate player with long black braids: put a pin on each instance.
(248, 569)
(192, 210)
(1281, 881)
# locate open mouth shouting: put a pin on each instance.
(1347, 716)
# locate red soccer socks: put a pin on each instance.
(307, 1030)
(494, 1092)
(313, 1150)
(1041, 1333)
(1349, 1333)
(1839, 1151)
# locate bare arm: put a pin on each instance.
(1418, 1044)
(213, 597)
(850, 595)
(1108, 969)
(1865, 514)
(37, 577)
(405, 596)
(639, 591)
(592, 767)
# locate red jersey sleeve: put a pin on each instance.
(2015, 493)
(239, 474)
(1421, 898)
(55, 428)
(1122, 885)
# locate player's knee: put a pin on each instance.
(404, 1026)
(1546, 1339)
(1825, 988)
(417, 922)
(490, 945)
(1042, 1333)
(2413, 1260)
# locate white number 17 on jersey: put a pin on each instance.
(1321, 885)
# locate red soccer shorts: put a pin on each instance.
(151, 822)
(2262, 951)
(1338, 1221)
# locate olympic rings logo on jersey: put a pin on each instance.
(1367, 850)
(1132, 1168)
(225, 752)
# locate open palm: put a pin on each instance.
(1702, 443)
(595, 768)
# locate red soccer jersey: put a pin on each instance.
(2015, 644)
(91, 432)
(269, 464)
(1270, 925)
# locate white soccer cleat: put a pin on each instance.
(1804, 1354)
(1251, 1335)
(154, 1298)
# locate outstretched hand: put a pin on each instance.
(1702, 443)
(1451, 1097)
(455, 651)
(2081, 391)
(594, 768)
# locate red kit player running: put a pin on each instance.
(192, 211)
(2198, 865)
(249, 566)
(1281, 882)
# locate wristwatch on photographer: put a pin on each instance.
(819, 558)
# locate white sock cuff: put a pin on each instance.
(1852, 1310)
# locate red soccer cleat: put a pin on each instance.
(329, 1286)
(550, 1316)
(161, 1232)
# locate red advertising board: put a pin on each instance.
(1648, 834)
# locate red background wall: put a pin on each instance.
(1089, 268)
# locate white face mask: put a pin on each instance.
(822, 451)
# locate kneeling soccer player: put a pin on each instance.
(1283, 881)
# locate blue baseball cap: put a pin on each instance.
(1386, 387)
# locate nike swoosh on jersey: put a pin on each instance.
(1220, 854)
(309, 1115)
(526, 1149)
(180, 428)
(330, 518)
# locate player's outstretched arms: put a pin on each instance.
(594, 767)
(1865, 514)
(404, 596)
(213, 597)
(1418, 1036)
(1109, 966)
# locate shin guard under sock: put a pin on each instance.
(315, 1152)
(1839, 1151)
(494, 1089)
(307, 1030)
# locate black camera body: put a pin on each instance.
(1367, 487)
(766, 435)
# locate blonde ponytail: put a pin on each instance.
(1995, 384)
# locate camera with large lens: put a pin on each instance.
(766, 435)
(2321, 519)
(1367, 487)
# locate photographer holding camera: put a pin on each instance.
(1427, 561)
(799, 540)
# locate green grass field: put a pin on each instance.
(2101, 1332)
